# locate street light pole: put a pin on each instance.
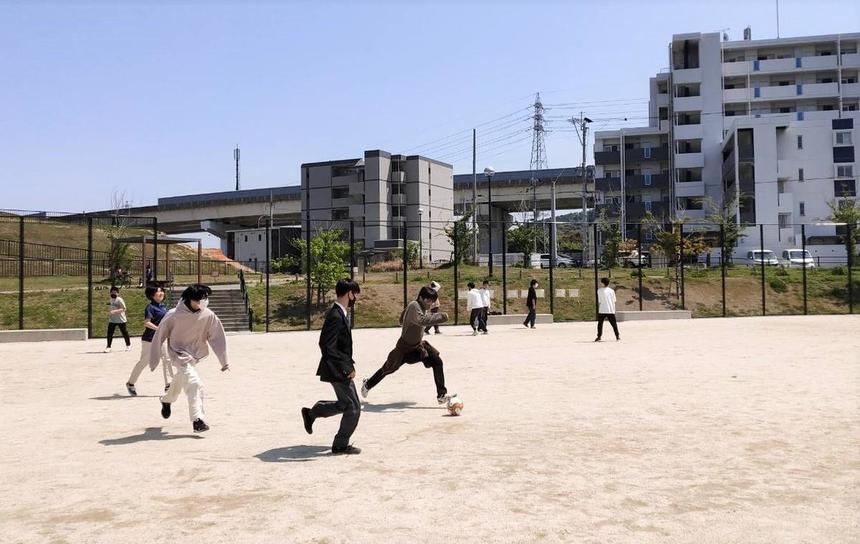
(420, 240)
(489, 171)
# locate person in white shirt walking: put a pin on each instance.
(189, 330)
(476, 308)
(485, 300)
(606, 309)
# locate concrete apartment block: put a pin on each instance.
(386, 197)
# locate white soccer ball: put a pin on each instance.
(455, 406)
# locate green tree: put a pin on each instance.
(611, 230)
(725, 215)
(848, 212)
(460, 234)
(329, 259)
(524, 237)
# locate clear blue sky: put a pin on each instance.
(150, 98)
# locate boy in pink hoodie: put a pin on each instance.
(189, 329)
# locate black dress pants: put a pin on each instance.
(347, 403)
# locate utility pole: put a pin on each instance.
(581, 125)
(474, 199)
(236, 158)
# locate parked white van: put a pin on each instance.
(757, 257)
(797, 258)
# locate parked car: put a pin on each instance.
(633, 259)
(561, 261)
(757, 257)
(797, 258)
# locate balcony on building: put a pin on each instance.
(690, 189)
(647, 181)
(356, 188)
(343, 180)
(635, 211)
(688, 103)
(602, 158)
(640, 154)
(785, 201)
(689, 160)
(850, 60)
(851, 90)
(783, 65)
(606, 184)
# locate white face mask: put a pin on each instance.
(204, 303)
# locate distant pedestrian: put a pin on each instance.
(117, 319)
(606, 309)
(475, 307)
(434, 309)
(148, 274)
(531, 304)
(485, 301)
(152, 316)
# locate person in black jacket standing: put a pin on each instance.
(337, 368)
(531, 303)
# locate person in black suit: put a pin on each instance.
(337, 368)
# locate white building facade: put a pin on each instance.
(772, 123)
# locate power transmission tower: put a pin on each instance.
(538, 158)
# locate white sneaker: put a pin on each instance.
(445, 398)
(364, 389)
(107, 350)
(128, 348)
(474, 333)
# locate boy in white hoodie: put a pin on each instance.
(188, 328)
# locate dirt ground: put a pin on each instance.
(716, 430)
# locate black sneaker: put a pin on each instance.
(165, 410)
(618, 338)
(597, 339)
(308, 419)
(131, 390)
(349, 450)
(200, 426)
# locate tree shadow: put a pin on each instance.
(116, 396)
(151, 433)
(394, 407)
(293, 454)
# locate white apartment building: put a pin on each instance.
(381, 195)
(772, 121)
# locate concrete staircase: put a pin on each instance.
(229, 305)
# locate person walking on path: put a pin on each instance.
(412, 348)
(152, 316)
(117, 319)
(189, 330)
(531, 304)
(338, 368)
(485, 302)
(606, 309)
(434, 309)
(475, 305)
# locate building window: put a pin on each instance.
(849, 107)
(647, 180)
(844, 188)
(246, 237)
(843, 138)
(802, 209)
(800, 142)
(826, 107)
(259, 237)
(800, 174)
(397, 211)
(784, 220)
(339, 192)
(340, 214)
(845, 171)
(647, 205)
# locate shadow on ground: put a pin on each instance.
(151, 433)
(124, 397)
(395, 407)
(293, 454)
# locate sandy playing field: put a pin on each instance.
(723, 430)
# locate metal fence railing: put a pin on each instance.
(53, 266)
